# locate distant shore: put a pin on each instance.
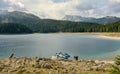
(109, 37)
(106, 35)
(115, 36)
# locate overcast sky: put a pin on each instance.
(56, 9)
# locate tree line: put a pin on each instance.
(14, 28)
(53, 26)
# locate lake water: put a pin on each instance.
(86, 46)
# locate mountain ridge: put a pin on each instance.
(102, 20)
(37, 25)
(18, 17)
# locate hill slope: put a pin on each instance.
(18, 17)
(40, 25)
(32, 23)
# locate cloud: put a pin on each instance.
(115, 0)
(56, 9)
(95, 8)
(59, 1)
(46, 8)
(114, 7)
(11, 5)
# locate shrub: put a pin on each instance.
(116, 68)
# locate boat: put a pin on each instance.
(61, 56)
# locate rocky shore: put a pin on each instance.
(37, 65)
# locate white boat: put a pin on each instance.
(61, 56)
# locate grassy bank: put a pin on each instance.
(37, 65)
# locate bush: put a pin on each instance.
(116, 68)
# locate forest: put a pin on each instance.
(52, 26)
(14, 28)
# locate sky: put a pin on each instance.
(57, 9)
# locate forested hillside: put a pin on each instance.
(114, 27)
(57, 26)
(19, 22)
(14, 28)
(48, 26)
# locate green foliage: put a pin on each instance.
(14, 28)
(52, 26)
(117, 60)
(116, 68)
(47, 26)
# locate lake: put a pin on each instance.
(86, 46)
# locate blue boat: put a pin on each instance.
(64, 56)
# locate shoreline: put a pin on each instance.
(37, 65)
(105, 35)
(109, 37)
(96, 60)
(114, 36)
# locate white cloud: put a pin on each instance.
(57, 9)
(115, 0)
(48, 8)
(11, 5)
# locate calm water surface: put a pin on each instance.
(86, 46)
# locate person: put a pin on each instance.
(11, 56)
(75, 57)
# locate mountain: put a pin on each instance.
(18, 17)
(27, 19)
(3, 11)
(78, 18)
(40, 25)
(20, 22)
(103, 20)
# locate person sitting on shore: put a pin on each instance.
(11, 56)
